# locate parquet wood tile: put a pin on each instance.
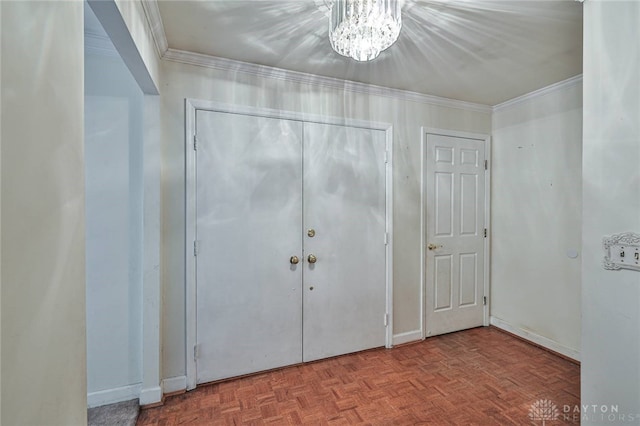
(474, 377)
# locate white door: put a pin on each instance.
(455, 194)
(249, 199)
(344, 210)
(256, 308)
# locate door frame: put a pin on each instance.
(425, 131)
(191, 107)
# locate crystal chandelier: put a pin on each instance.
(361, 29)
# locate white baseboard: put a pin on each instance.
(174, 384)
(409, 336)
(111, 396)
(151, 395)
(536, 338)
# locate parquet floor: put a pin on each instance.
(475, 377)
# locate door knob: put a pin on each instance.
(294, 260)
(433, 246)
(312, 259)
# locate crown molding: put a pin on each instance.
(99, 44)
(540, 92)
(152, 13)
(224, 64)
(154, 19)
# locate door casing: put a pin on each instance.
(424, 131)
(191, 106)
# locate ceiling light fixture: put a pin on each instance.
(361, 29)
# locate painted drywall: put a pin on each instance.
(536, 217)
(106, 41)
(135, 19)
(611, 205)
(151, 391)
(43, 259)
(114, 229)
(0, 219)
(186, 81)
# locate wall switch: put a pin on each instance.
(622, 251)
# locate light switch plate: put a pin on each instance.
(622, 251)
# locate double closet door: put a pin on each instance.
(290, 225)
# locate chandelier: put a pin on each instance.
(361, 29)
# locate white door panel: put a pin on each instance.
(344, 203)
(454, 261)
(254, 309)
(249, 198)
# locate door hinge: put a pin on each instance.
(485, 232)
(196, 351)
(386, 157)
(484, 300)
(386, 320)
(195, 248)
(486, 164)
(195, 142)
(386, 238)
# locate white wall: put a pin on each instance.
(536, 217)
(123, 25)
(611, 205)
(187, 81)
(126, 24)
(43, 260)
(134, 17)
(114, 229)
(151, 391)
(0, 219)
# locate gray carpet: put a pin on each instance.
(120, 414)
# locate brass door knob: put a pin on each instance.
(312, 259)
(294, 260)
(433, 246)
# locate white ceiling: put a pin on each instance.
(482, 51)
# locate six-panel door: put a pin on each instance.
(455, 194)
